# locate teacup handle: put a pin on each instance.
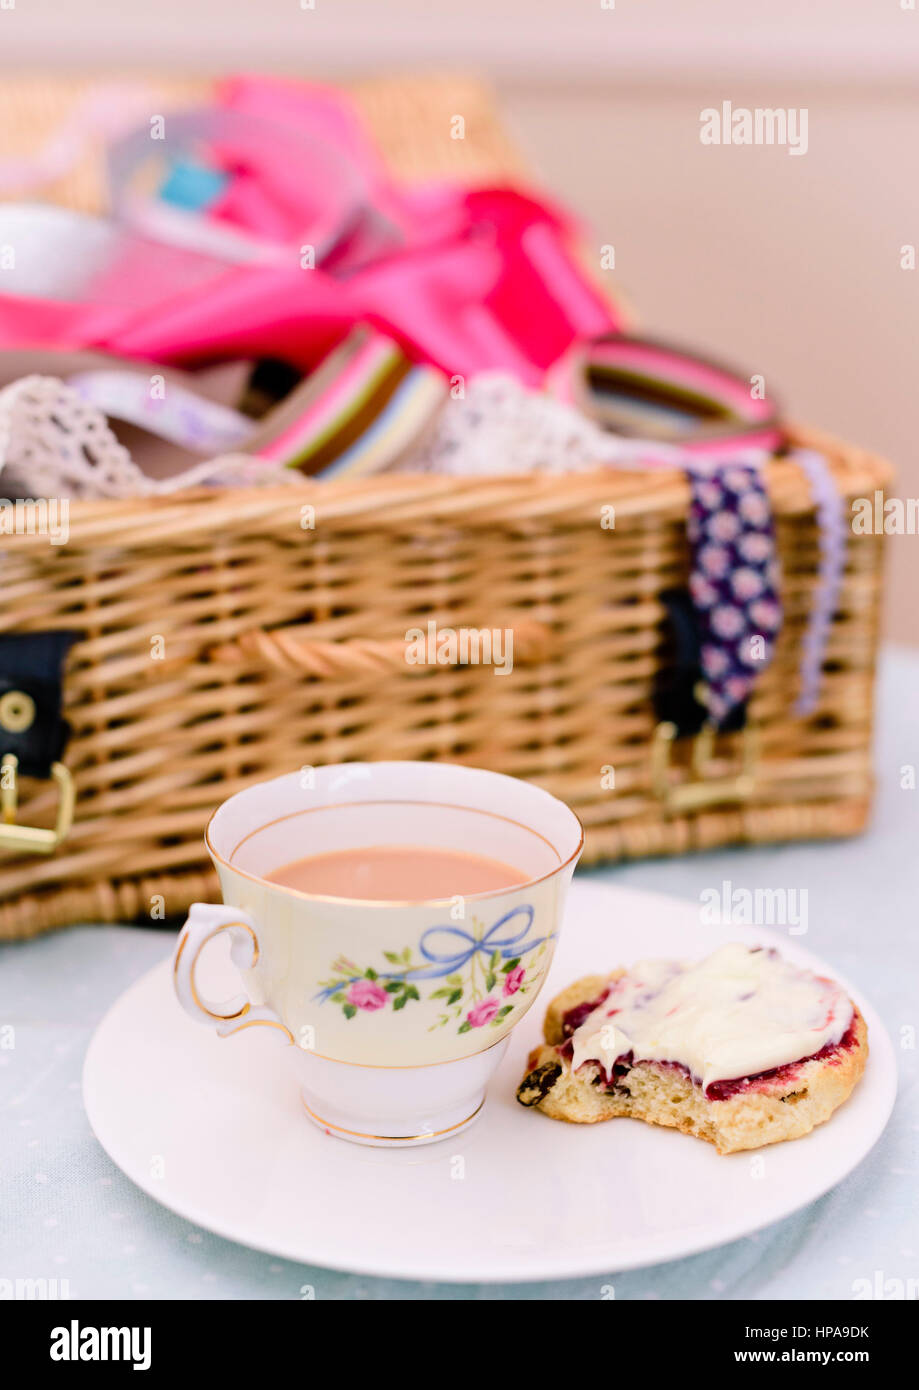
(204, 922)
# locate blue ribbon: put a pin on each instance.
(448, 962)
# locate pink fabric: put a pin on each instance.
(326, 114)
(469, 280)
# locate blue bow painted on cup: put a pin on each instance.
(462, 947)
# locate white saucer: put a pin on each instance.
(213, 1129)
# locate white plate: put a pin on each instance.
(212, 1128)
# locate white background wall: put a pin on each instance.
(789, 265)
(523, 39)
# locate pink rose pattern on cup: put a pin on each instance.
(367, 994)
(514, 980)
(484, 985)
(483, 1013)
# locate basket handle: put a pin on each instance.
(294, 649)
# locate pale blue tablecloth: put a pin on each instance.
(67, 1213)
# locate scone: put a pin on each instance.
(741, 1048)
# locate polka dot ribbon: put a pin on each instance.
(734, 583)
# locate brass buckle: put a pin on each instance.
(704, 789)
(33, 838)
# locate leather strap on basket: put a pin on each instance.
(33, 734)
(32, 727)
(680, 681)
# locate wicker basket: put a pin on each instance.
(281, 647)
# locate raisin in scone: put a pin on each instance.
(741, 1048)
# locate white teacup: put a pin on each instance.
(330, 972)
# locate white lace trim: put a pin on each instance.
(501, 427)
(53, 443)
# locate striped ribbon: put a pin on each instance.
(640, 387)
(357, 413)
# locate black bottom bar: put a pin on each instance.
(268, 1339)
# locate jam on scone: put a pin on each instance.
(741, 1048)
